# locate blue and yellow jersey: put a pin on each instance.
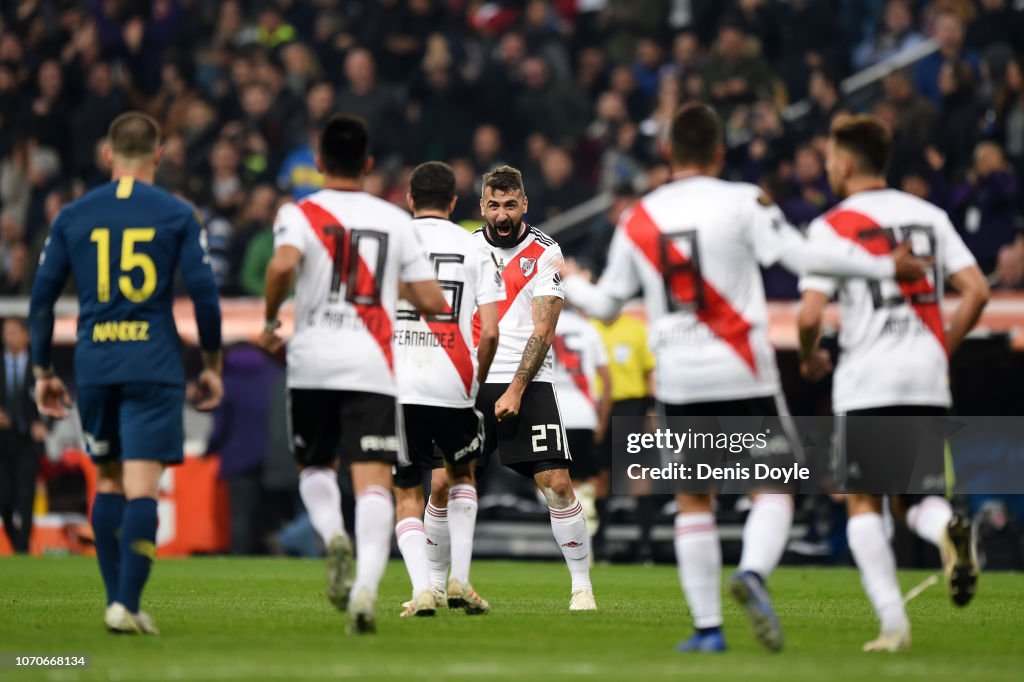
(124, 241)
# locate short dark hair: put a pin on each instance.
(344, 146)
(134, 134)
(504, 179)
(696, 134)
(867, 139)
(432, 185)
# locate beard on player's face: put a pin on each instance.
(505, 232)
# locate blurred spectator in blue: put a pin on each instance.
(897, 33)
(138, 33)
(926, 180)
(299, 173)
(241, 437)
(812, 39)
(647, 65)
(949, 32)
(983, 205)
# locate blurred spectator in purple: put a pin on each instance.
(241, 437)
(138, 33)
(811, 39)
(897, 34)
(983, 205)
(949, 32)
(810, 194)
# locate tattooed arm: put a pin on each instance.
(546, 310)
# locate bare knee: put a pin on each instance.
(408, 503)
(857, 503)
(688, 503)
(556, 487)
(110, 478)
(439, 486)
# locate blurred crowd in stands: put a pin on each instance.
(578, 93)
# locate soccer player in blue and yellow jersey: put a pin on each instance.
(124, 241)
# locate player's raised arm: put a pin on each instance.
(54, 266)
(202, 289)
(776, 241)
(617, 284)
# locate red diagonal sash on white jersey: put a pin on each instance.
(374, 317)
(571, 361)
(515, 282)
(848, 225)
(717, 313)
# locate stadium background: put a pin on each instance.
(577, 93)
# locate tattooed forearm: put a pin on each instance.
(533, 357)
(546, 310)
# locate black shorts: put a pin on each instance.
(534, 440)
(631, 407)
(457, 433)
(354, 426)
(889, 450)
(584, 463)
(783, 444)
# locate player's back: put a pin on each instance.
(435, 361)
(695, 246)
(123, 242)
(892, 339)
(354, 249)
(579, 351)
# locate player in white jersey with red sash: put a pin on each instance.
(580, 360)
(518, 401)
(439, 374)
(693, 247)
(894, 362)
(347, 253)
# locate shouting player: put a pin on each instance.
(693, 246)
(348, 253)
(894, 362)
(124, 241)
(439, 376)
(518, 400)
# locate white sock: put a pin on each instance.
(435, 523)
(462, 508)
(930, 518)
(318, 487)
(765, 533)
(874, 557)
(699, 557)
(570, 531)
(412, 543)
(375, 515)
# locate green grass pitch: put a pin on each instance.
(266, 619)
